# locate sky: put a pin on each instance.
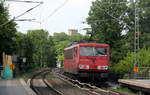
(70, 16)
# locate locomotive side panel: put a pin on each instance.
(71, 60)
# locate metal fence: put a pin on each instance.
(143, 73)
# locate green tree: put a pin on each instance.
(60, 37)
(144, 21)
(37, 46)
(125, 66)
(75, 38)
(49, 52)
(62, 40)
(24, 47)
(43, 54)
(60, 49)
(20, 43)
(7, 31)
(112, 22)
(106, 27)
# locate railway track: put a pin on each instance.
(86, 86)
(83, 86)
(63, 85)
(43, 88)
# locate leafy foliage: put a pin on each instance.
(113, 23)
(7, 31)
(62, 40)
(125, 66)
(37, 46)
(144, 21)
(43, 50)
(107, 29)
(60, 37)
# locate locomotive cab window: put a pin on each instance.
(93, 51)
(76, 51)
(68, 54)
(100, 51)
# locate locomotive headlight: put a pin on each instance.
(102, 67)
(83, 66)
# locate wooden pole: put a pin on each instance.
(4, 59)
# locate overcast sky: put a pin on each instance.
(69, 16)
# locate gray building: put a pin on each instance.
(72, 32)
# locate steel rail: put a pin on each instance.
(50, 87)
(43, 74)
(86, 86)
(31, 83)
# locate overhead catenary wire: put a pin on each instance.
(29, 20)
(5, 23)
(55, 10)
(25, 19)
(23, 1)
(118, 19)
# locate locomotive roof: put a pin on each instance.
(87, 44)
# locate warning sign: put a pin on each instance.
(135, 69)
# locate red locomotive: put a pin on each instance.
(86, 59)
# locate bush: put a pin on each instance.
(125, 66)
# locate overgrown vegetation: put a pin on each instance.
(126, 90)
(125, 66)
(50, 76)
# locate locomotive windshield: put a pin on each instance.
(93, 51)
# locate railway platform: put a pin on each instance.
(15, 87)
(141, 85)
